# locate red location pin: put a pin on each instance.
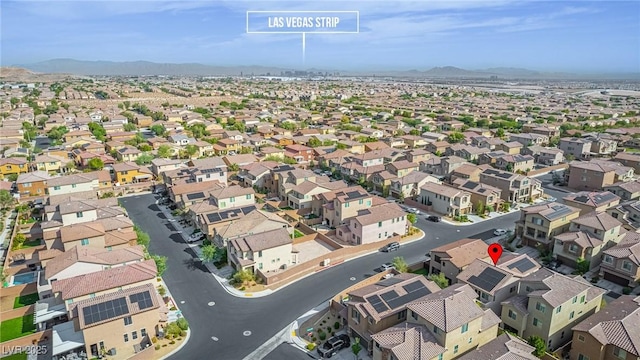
(495, 251)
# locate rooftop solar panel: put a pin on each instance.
(389, 282)
(487, 280)
(389, 295)
(377, 303)
(199, 195)
(522, 265)
(470, 185)
(405, 299)
(105, 310)
(143, 299)
(560, 210)
(413, 286)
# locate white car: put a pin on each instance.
(195, 237)
(387, 266)
(413, 211)
(499, 232)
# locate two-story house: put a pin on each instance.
(13, 166)
(549, 305)
(409, 185)
(588, 201)
(444, 199)
(515, 163)
(629, 190)
(374, 224)
(232, 196)
(621, 263)
(265, 252)
(451, 259)
(575, 148)
(33, 183)
(539, 224)
(596, 175)
(130, 172)
(486, 195)
(515, 188)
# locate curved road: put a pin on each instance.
(227, 327)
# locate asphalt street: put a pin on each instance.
(228, 327)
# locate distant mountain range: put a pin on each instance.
(146, 68)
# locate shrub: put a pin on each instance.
(314, 339)
(164, 345)
(336, 325)
(320, 331)
(183, 333)
(162, 291)
(172, 342)
(182, 323)
(626, 291)
(157, 347)
(154, 339)
(329, 329)
(311, 346)
(322, 336)
(333, 334)
(179, 339)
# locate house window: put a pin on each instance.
(79, 214)
(232, 199)
(70, 301)
(360, 202)
(56, 188)
(582, 299)
(581, 338)
(414, 315)
(572, 314)
(537, 221)
(126, 337)
(455, 349)
(84, 242)
(465, 328)
(92, 295)
(134, 335)
(346, 205)
(573, 248)
(379, 223)
(436, 330)
(260, 253)
(575, 300)
(626, 265)
(608, 259)
(73, 186)
(619, 353)
(512, 315)
(128, 321)
(355, 315)
(558, 309)
(470, 340)
(248, 197)
(582, 357)
(537, 323)
(402, 315)
(260, 266)
(540, 307)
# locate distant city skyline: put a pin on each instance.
(549, 36)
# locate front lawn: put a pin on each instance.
(25, 300)
(18, 356)
(15, 328)
(421, 271)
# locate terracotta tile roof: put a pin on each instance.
(555, 288)
(504, 347)
(262, 241)
(616, 324)
(584, 239)
(105, 280)
(601, 221)
(92, 255)
(408, 341)
(463, 252)
(81, 231)
(628, 248)
(382, 212)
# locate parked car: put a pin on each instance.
(195, 237)
(413, 210)
(387, 266)
(333, 345)
(394, 246)
(499, 232)
(433, 218)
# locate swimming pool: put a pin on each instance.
(26, 278)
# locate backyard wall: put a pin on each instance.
(28, 340)
(548, 169)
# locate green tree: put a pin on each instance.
(400, 264)
(98, 131)
(243, 277)
(161, 263)
(356, 347)
(439, 279)
(480, 208)
(198, 131)
(95, 164)
(538, 343)
(313, 142)
(144, 159)
(57, 132)
(164, 151)
(234, 167)
(6, 199)
(14, 101)
(191, 150)
(130, 127)
(209, 253)
(142, 237)
(582, 266)
(412, 218)
(505, 207)
(158, 129)
(455, 137)
(500, 133)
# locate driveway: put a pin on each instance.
(227, 327)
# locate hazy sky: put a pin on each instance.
(576, 36)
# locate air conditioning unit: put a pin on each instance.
(326, 262)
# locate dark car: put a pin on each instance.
(333, 345)
(433, 218)
(394, 246)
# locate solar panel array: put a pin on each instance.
(405, 299)
(487, 280)
(143, 299)
(105, 310)
(522, 265)
(389, 282)
(389, 295)
(559, 211)
(228, 214)
(199, 195)
(377, 303)
(206, 171)
(354, 194)
(470, 185)
(411, 287)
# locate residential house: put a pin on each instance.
(451, 259)
(545, 155)
(50, 163)
(251, 175)
(76, 183)
(496, 283)
(408, 186)
(511, 147)
(373, 224)
(596, 175)
(515, 163)
(628, 213)
(160, 165)
(130, 172)
(486, 195)
(629, 159)
(549, 305)
(621, 263)
(539, 224)
(587, 237)
(445, 200)
(575, 148)
(610, 334)
(13, 166)
(232, 196)
(629, 190)
(335, 207)
(529, 139)
(254, 222)
(466, 172)
(504, 347)
(265, 252)
(515, 188)
(588, 201)
(128, 154)
(439, 325)
(33, 183)
(299, 153)
(401, 168)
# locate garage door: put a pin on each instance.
(616, 279)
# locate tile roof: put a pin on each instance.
(601, 221)
(408, 341)
(504, 347)
(262, 241)
(463, 252)
(81, 231)
(105, 280)
(616, 324)
(92, 255)
(556, 289)
(382, 212)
